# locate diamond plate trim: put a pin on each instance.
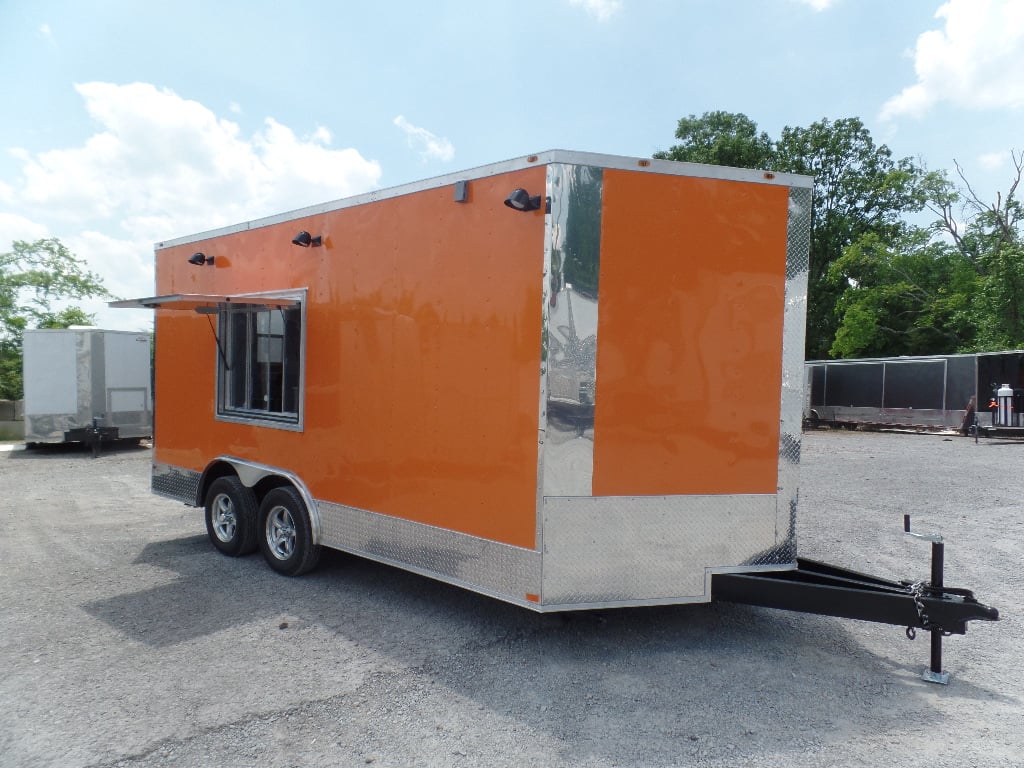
(176, 483)
(488, 567)
(622, 550)
(798, 246)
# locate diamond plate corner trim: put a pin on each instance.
(488, 567)
(623, 550)
(798, 246)
(176, 483)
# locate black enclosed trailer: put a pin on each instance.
(935, 392)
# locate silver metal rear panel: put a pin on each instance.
(621, 550)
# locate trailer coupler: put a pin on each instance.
(828, 590)
(92, 435)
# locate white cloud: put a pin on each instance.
(976, 62)
(160, 166)
(993, 161)
(602, 10)
(429, 146)
(819, 5)
(46, 32)
(14, 227)
(163, 166)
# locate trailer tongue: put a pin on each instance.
(832, 591)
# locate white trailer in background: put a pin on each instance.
(87, 385)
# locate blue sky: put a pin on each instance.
(124, 123)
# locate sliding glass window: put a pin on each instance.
(261, 364)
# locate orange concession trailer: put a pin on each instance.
(567, 380)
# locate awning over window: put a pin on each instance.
(198, 301)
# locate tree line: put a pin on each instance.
(904, 260)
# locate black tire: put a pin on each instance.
(286, 533)
(231, 513)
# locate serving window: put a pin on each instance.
(260, 364)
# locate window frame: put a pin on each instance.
(249, 306)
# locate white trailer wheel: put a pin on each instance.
(231, 516)
(286, 534)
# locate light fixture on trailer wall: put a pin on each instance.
(521, 200)
(199, 259)
(306, 240)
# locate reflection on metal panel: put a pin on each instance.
(798, 245)
(176, 483)
(611, 550)
(571, 312)
(488, 567)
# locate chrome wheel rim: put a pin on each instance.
(225, 521)
(281, 533)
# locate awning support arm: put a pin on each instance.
(216, 338)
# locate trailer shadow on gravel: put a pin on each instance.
(40, 451)
(602, 682)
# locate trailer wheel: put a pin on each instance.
(286, 534)
(231, 516)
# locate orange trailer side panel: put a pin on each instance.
(689, 366)
(422, 366)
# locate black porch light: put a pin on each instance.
(305, 240)
(199, 259)
(521, 200)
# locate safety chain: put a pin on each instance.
(916, 592)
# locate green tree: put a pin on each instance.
(991, 239)
(34, 275)
(908, 297)
(957, 286)
(721, 138)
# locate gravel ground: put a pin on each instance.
(126, 640)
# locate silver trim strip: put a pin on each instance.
(270, 298)
(798, 244)
(508, 573)
(494, 169)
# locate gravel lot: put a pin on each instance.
(126, 640)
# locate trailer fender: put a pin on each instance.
(251, 473)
